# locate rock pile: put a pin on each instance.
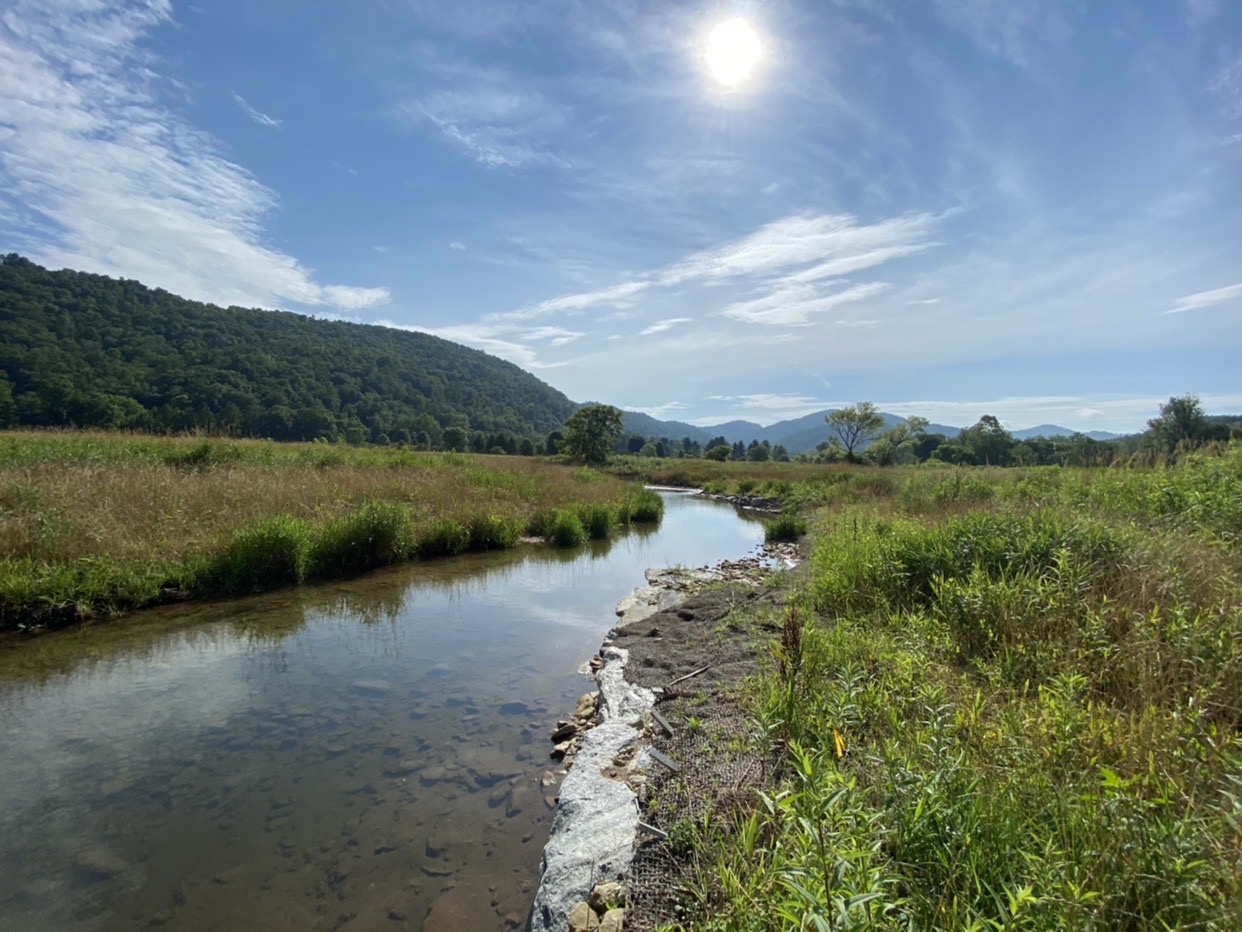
(752, 502)
(602, 911)
(567, 735)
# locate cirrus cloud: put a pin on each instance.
(112, 181)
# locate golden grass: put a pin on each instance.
(134, 504)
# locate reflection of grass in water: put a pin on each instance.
(266, 619)
(95, 523)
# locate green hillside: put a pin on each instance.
(88, 350)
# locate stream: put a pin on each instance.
(365, 754)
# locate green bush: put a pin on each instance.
(375, 535)
(785, 527)
(566, 529)
(645, 507)
(597, 521)
(493, 532)
(271, 555)
(445, 538)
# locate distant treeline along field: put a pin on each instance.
(83, 350)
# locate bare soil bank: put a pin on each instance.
(728, 630)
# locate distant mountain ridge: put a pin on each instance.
(804, 434)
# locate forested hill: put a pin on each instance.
(82, 349)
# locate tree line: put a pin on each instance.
(859, 434)
(78, 349)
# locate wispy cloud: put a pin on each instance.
(483, 337)
(767, 407)
(795, 260)
(1228, 87)
(128, 186)
(460, 247)
(490, 117)
(1194, 302)
(796, 305)
(662, 325)
(617, 294)
(836, 243)
(555, 336)
(261, 118)
(669, 409)
(1003, 28)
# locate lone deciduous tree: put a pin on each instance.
(591, 433)
(1181, 422)
(855, 426)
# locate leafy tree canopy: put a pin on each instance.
(1181, 423)
(854, 427)
(591, 432)
(88, 350)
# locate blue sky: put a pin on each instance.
(951, 208)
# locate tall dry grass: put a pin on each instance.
(92, 522)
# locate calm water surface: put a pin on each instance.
(360, 755)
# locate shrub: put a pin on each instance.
(566, 529)
(646, 506)
(597, 521)
(375, 535)
(785, 527)
(445, 538)
(493, 532)
(268, 556)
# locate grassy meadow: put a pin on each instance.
(96, 523)
(1000, 699)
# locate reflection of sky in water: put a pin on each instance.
(81, 711)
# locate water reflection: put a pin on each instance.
(356, 753)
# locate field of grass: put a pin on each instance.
(1003, 699)
(95, 523)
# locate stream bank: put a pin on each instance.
(676, 658)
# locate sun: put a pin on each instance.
(732, 51)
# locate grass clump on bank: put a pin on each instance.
(1017, 708)
(785, 527)
(94, 523)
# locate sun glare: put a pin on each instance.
(732, 50)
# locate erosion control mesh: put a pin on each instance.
(725, 631)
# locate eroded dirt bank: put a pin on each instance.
(686, 642)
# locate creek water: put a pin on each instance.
(365, 754)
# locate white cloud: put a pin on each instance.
(835, 243)
(128, 187)
(796, 305)
(797, 256)
(617, 294)
(662, 325)
(664, 411)
(458, 246)
(1228, 86)
(261, 118)
(767, 407)
(1202, 299)
(489, 116)
(556, 336)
